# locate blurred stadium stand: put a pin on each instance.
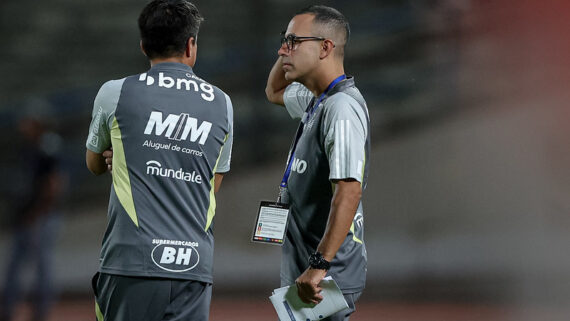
(467, 197)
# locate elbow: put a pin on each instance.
(269, 94)
(95, 170)
(274, 97)
(95, 163)
(349, 192)
(97, 173)
(355, 195)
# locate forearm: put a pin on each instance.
(343, 208)
(276, 83)
(95, 162)
(218, 181)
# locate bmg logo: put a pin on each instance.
(207, 91)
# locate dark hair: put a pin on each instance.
(329, 17)
(166, 26)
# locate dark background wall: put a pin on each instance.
(467, 197)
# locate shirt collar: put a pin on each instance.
(348, 82)
(172, 66)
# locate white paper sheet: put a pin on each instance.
(289, 306)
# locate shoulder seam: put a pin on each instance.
(120, 89)
(344, 95)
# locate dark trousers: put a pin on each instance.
(124, 298)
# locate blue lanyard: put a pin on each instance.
(311, 111)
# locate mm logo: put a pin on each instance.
(178, 127)
(299, 166)
(175, 259)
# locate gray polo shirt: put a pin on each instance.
(170, 132)
(334, 145)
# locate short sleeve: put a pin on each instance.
(345, 128)
(226, 152)
(104, 107)
(296, 98)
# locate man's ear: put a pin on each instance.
(326, 48)
(189, 45)
(142, 48)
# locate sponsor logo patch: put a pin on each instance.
(195, 83)
(175, 256)
(299, 166)
(177, 127)
(154, 168)
(359, 219)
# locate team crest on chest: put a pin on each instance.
(310, 119)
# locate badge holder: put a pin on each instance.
(271, 223)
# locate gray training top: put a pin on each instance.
(334, 145)
(170, 132)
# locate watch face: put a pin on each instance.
(316, 261)
(313, 259)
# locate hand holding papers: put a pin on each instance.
(289, 306)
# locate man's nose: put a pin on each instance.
(283, 50)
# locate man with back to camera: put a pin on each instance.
(171, 134)
(328, 163)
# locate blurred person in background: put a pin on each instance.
(328, 163)
(36, 220)
(171, 135)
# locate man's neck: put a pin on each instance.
(156, 61)
(321, 80)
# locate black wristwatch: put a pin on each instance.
(317, 261)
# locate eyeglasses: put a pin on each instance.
(291, 40)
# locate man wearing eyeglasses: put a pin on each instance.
(328, 161)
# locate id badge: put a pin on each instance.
(271, 223)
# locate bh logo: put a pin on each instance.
(175, 259)
(299, 166)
